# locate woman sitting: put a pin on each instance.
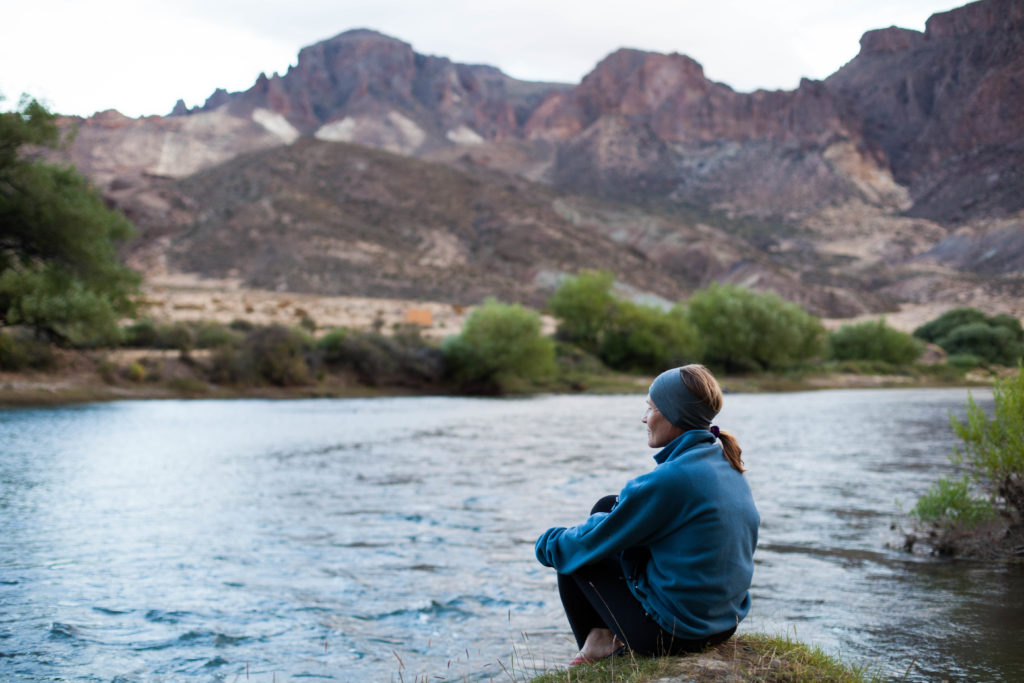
(665, 566)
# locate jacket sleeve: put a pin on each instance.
(646, 507)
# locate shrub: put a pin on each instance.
(20, 350)
(583, 304)
(211, 335)
(278, 355)
(992, 343)
(744, 330)
(647, 339)
(175, 336)
(964, 361)
(331, 345)
(991, 455)
(996, 339)
(500, 349)
(405, 359)
(935, 330)
(951, 502)
(135, 372)
(141, 334)
(873, 340)
(272, 355)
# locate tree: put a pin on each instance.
(744, 330)
(500, 349)
(59, 269)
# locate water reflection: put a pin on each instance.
(363, 539)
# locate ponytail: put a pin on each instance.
(699, 380)
(731, 450)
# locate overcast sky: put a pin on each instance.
(140, 56)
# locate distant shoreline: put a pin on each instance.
(82, 381)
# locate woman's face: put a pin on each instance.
(659, 430)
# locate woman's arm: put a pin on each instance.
(642, 514)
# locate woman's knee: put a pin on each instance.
(605, 504)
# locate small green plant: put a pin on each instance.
(212, 335)
(135, 372)
(140, 334)
(953, 502)
(991, 459)
(20, 350)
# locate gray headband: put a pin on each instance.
(678, 404)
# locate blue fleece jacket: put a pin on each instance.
(685, 533)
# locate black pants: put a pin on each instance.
(597, 596)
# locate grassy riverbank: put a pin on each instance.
(124, 374)
(750, 657)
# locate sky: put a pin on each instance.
(140, 56)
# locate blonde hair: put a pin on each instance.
(704, 386)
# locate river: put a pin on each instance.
(390, 539)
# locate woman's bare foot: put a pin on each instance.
(600, 643)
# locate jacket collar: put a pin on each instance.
(683, 442)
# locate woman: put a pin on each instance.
(664, 567)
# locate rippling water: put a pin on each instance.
(384, 539)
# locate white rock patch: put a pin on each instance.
(276, 124)
(464, 135)
(337, 131)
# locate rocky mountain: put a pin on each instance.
(895, 182)
(946, 108)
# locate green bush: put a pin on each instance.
(953, 503)
(141, 334)
(934, 330)
(996, 339)
(135, 372)
(992, 343)
(20, 350)
(873, 340)
(992, 457)
(500, 349)
(212, 335)
(405, 359)
(648, 339)
(146, 334)
(268, 355)
(964, 361)
(332, 345)
(583, 305)
(743, 330)
(278, 355)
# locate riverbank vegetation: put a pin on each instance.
(602, 343)
(751, 657)
(979, 510)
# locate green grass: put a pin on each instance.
(750, 657)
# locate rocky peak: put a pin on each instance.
(892, 39)
(945, 106)
(982, 16)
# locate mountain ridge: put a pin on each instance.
(887, 184)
